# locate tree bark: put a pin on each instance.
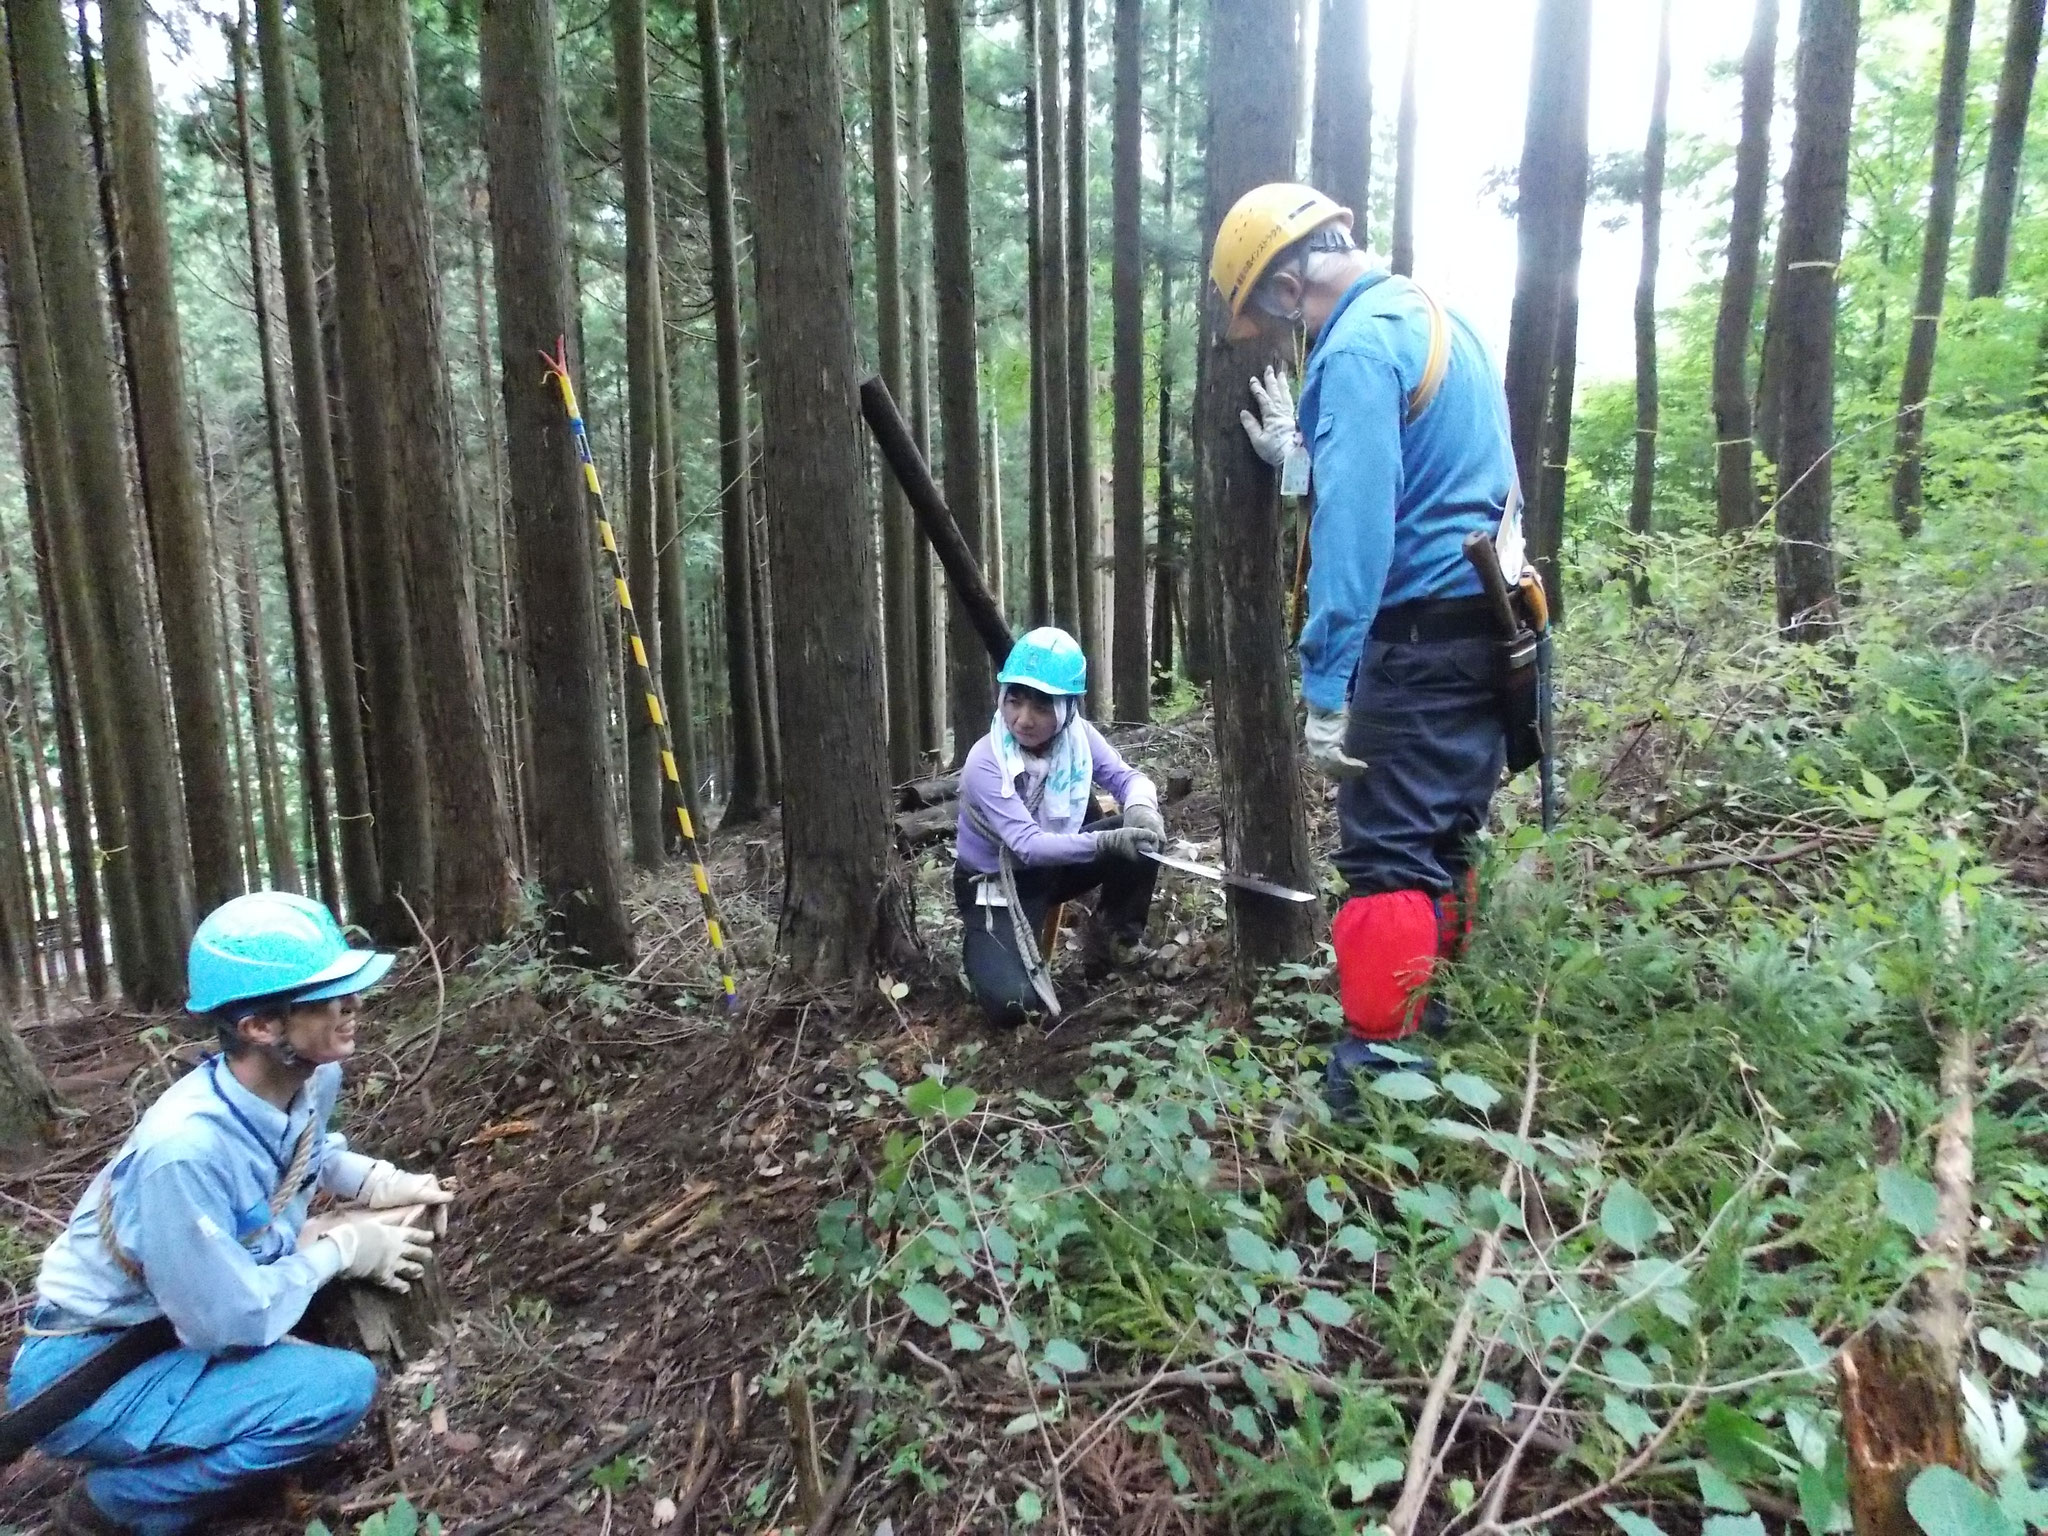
(1816, 201)
(473, 891)
(1252, 120)
(970, 679)
(1735, 324)
(1166, 555)
(1038, 515)
(576, 841)
(1057, 390)
(277, 841)
(1081, 360)
(1644, 489)
(184, 557)
(1927, 303)
(2008, 140)
(1404, 150)
(125, 718)
(678, 664)
(899, 603)
(1340, 136)
(1130, 664)
(17, 629)
(1551, 204)
(835, 917)
(917, 350)
(745, 792)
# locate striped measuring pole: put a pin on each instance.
(558, 370)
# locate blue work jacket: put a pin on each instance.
(1394, 498)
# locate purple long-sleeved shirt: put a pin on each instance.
(1031, 840)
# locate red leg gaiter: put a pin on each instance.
(1386, 952)
(1456, 910)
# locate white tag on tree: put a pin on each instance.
(1294, 469)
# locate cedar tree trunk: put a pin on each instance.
(1645, 486)
(2008, 139)
(1734, 327)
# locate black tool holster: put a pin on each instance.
(1520, 676)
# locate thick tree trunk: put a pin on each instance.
(2008, 140)
(764, 630)
(473, 893)
(1816, 201)
(1057, 391)
(899, 602)
(1199, 591)
(1547, 506)
(125, 716)
(1735, 324)
(231, 636)
(576, 842)
(678, 664)
(1933, 290)
(643, 453)
(836, 911)
(1166, 554)
(1551, 205)
(1404, 151)
(970, 678)
(1130, 665)
(1038, 515)
(925, 581)
(28, 1109)
(1340, 136)
(1644, 489)
(745, 792)
(1770, 408)
(328, 574)
(277, 840)
(1081, 360)
(177, 528)
(1251, 140)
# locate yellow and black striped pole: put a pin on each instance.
(558, 370)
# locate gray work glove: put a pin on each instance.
(1127, 842)
(380, 1252)
(1146, 817)
(1272, 431)
(1325, 737)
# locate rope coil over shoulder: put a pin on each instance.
(1028, 954)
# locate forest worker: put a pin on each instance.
(197, 1220)
(1030, 838)
(1404, 423)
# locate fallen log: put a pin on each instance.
(914, 829)
(921, 793)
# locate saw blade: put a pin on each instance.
(1222, 876)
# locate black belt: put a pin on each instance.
(1432, 621)
(80, 1387)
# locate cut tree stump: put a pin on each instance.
(393, 1328)
(1901, 1413)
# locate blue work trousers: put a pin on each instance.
(171, 1440)
(1425, 717)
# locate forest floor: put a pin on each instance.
(1124, 1275)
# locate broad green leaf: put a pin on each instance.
(1065, 1356)
(925, 1097)
(964, 1336)
(1250, 1251)
(1104, 1114)
(1873, 786)
(1908, 800)
(1718, 1490)
(1822, 1498)
(1629, 1220)
(1361, 1482)
(1908, 1199)
(1498, 1398)
(1322, 1202)
(1399, 1156)
(1432, 1203)
(1358, 1243)
(1002, 1247)
(1475, 1091)
(1738, 1443)
(1943, 1502)
(1298, 1340)
(932, 1305)
(1733, 1525)
(1626, 1367)
(2030, 1292)
(1030, 1507)
(1627, 1420)
(1404, 1087)
(1802, 1341)
(958, 1102)
(2020, 1356)
(1631, 1523)
(1327, 1308)
(1456, 1130)
(881, 1082)
(1247, 1425)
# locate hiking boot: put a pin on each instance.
(77, 1515)
(1352, 1057)
(1103, 952)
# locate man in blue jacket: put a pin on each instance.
(198, 1219)
(1403, 427)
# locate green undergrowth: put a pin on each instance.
(1728, 1079)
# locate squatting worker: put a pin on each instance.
(1030, 837)
(1404, 426)
(198, 1219)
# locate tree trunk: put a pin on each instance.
(1038, 516)
(1251, 140)
(1547, 506)
(1081, 359)
(28, 1109)
(745, 796)
(835, 826)
(125, 716)
(1927, 303)
(1644, 489)
(1166, 555)
(1816, 201)
(1551, 204)
(971, 679)
(17, 629)
(1735, 325)
(917, 265)
(764, 631)
(576, 842)
(1198, 592)
(1770, 412)
(678, 666)
(1130, 666)
(1340, 138)
(473, 892)
(1057, 396)
(2008, 140)
(231, 635)
(1404, 150)
(995, 558)
(277, 842)
(177, 528)
(899, 603)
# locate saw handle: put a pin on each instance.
(1486, 561)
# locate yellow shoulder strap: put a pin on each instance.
(1439, 361)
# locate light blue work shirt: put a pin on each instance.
(1394, 498)
(192, 1186)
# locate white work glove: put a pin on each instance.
(380, 1252)
(1325, 736)
(388, 1185)
(1273, 432)
(1146, 818)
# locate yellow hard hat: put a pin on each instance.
(1259, 226)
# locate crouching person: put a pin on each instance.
(1029, 837)
(197, 1220)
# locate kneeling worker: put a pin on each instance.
(1029, 838)
(197, 1220)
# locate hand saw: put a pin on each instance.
(1226, 877)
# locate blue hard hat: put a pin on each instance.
(271, 943)
(1049, 660)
